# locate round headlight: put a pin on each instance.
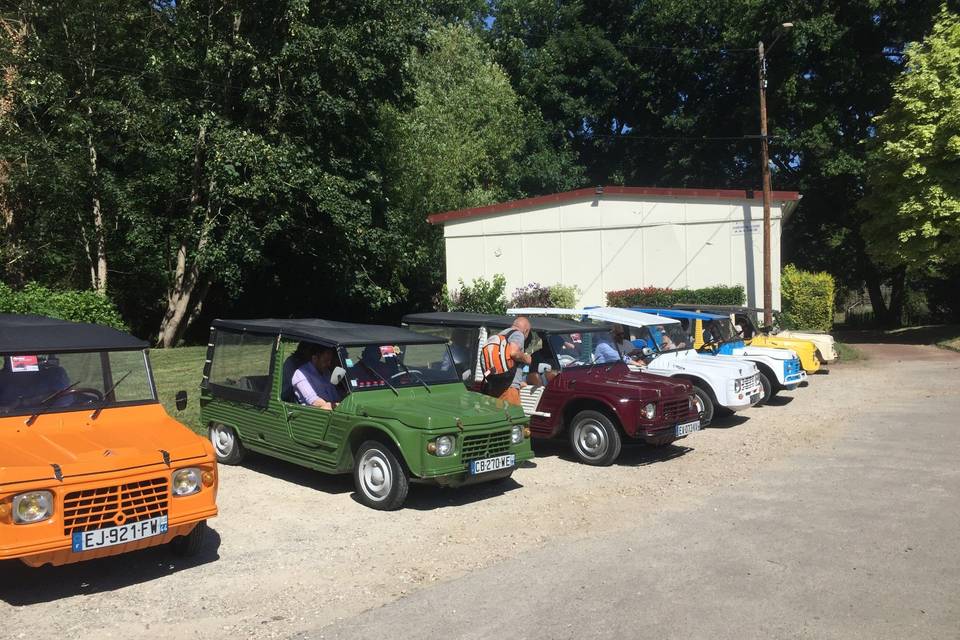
(737, 385)
(516, 435)
(650, 410)
(186, 481)
(34, 506)
(444, 446)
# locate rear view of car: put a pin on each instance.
(90, 463)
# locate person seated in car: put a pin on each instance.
(606, 352)
(372, 364)
(311, 381)
(293, 362)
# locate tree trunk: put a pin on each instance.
(186, 273)
(898, 297)
(879, 305)
(98, 253)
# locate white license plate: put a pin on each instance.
(99, 538)
(492, 464)
(688, 427)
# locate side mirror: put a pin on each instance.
(181, 400)
(466, 375)
(647, 352)
(336, 377)
(544, 367)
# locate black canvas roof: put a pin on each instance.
(464, 319)
(329, 332)
(721, 308)
(22, 333)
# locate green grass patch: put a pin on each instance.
(951, 343)
(176, 369)
(848, 352)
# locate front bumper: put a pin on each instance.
(50, 541)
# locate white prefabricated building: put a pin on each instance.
(613, 237)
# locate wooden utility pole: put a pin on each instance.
(765, 163)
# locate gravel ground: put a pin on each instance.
(292, 550)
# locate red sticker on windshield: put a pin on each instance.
(576, 338)
(388, 351)
(24, 363)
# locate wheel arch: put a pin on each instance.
(364, 432)
(575, 406)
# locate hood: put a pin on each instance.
(664, 386)
(798, 345)
(440, 409)
(120, 438)
(692, 361)
(776, 353)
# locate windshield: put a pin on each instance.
(721, 330)
(660, 337)
(49, 383)
(375, 366)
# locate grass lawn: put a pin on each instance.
(176, 369)
(950, 343)
(848, 352)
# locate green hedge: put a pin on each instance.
(807, 299)
(78, 306)
(665, 297)
(481, 296)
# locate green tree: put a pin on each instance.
(465, 140)
(662, 93)
(914, 205)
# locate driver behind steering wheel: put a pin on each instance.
(311, 381)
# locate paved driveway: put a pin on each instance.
(855, 540)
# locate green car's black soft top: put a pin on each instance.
(24, 333)
(328, 332)
(549, 324)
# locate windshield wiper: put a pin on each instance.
(418, 376)
(106, 394)
(50, 398)
(374, 372)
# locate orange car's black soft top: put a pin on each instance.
(24, 333)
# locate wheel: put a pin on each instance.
(767, 388)
(704, 404)
(380, 478)
(226, 444)
(189, 545)
(595, 438)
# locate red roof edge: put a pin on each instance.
(592, 192)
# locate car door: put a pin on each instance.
(308, 425)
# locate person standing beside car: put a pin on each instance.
(503, 356)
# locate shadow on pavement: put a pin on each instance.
(925, 335)
(427, 497)
(633, 454)
(728, 421)
(290, 472)
(23, 585)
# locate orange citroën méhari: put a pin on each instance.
(90, 463)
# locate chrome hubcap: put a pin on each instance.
(222, 439)
(698, 403)
(376, 477)
(591, 439)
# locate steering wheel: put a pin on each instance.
(403, 373)
(93, 395)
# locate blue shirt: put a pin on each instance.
(309, 384)
(606, 352)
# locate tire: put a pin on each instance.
(226, 444)
(189, 545)
(707, 407)
(595, 438)
(767, 387)
(379, 477)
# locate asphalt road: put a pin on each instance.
(858, 539)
